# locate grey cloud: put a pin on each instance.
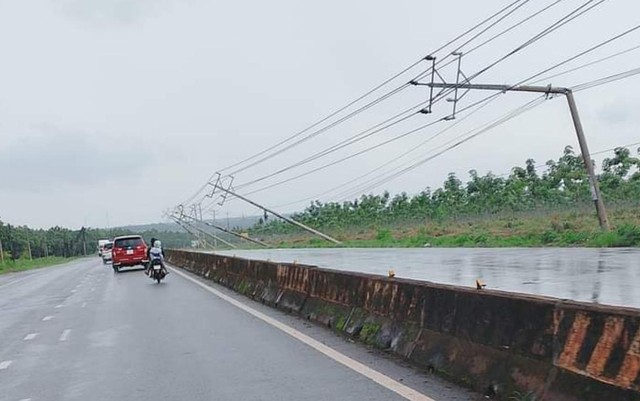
(51, 157)
(616, 113)
(150, 96)
(109, 12)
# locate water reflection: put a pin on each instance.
(593, 275)
(597, 283)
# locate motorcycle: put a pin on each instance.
(157, 270)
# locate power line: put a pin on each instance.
(598, 61)
(498, 35)
(323, 129)
(584, 86)
(553, 27)
(576, 13)
(367, 133)
(351, 156)
(396, 158)
(386, 124)
(617, 147)
(377, 87)
(374, 89)
(460, 140)
(606, 80)
(584, 52)
(509, 116)
(367, 106)
(556, 25)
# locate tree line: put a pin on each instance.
(24, 242)
(562, 183)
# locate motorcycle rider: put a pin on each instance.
(146, 270)
(156, 253)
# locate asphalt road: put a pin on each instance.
(81, 332)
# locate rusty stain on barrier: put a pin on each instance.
(609, 338)
(574, 341)
(630, 371)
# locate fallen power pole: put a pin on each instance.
(288, 220)
(567, 92)
(187, 225)
(217, 227)
(186, 228)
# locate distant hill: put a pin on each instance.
(233, 222)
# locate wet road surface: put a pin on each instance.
(81, 332)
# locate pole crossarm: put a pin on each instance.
(499, 88)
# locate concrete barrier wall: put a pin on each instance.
(492, 341)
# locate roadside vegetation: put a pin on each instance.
(26, 264)
(524, 208)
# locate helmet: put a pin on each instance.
(157, 244)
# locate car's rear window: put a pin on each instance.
(108, 246)
(128, 242)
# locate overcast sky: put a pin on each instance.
(112, 111)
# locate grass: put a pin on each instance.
(26, 264)
(569, 228)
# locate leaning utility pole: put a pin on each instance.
(235, 234)
(288, 220)
(190, 230)
(182, 223)
(215, 237)
(549, 90)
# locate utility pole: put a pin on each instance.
(586, 156)
(215, 241)
(84, 241)
(29, 245)
(288, 220)
(584, 149)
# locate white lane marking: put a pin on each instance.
(74, 291)
(84, 304)
(26, 399)
(44, 319)
(383, 380)
(59, 306)
(30, 336)
(65, 335)
(5, 364)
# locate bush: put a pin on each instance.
(548, 237)
(628, 235)
(384, 235)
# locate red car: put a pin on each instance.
(129, 250)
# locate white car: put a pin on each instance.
(101, 244)
(107, 250)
